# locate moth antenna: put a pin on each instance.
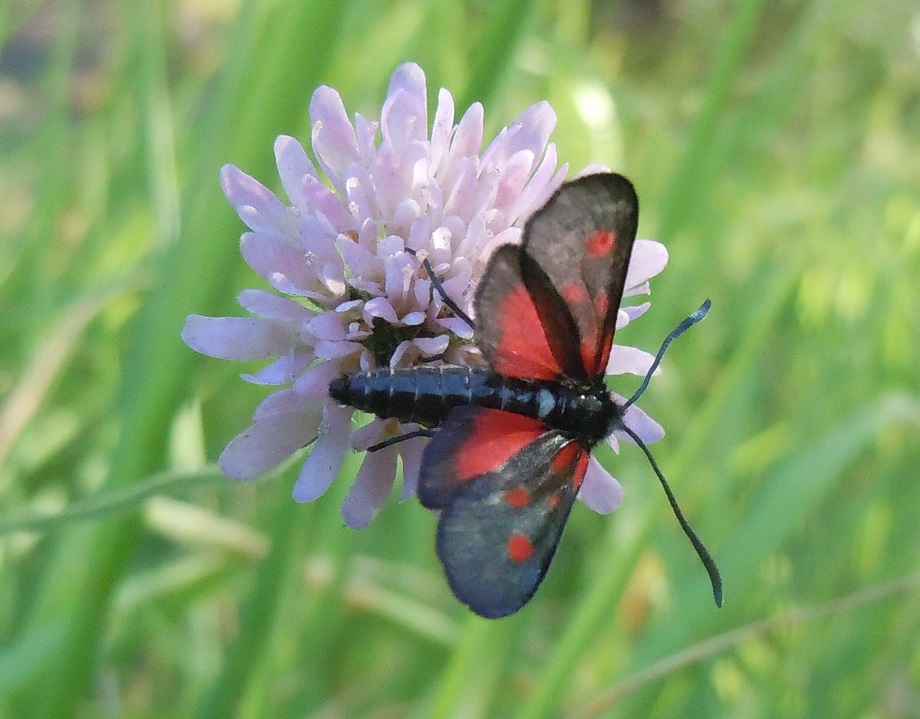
(675, 333)
(705, 557)
(436, 283)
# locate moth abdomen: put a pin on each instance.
(426, 395)
(418, 394)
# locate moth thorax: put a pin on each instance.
(590, 415)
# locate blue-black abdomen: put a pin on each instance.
(426, 395)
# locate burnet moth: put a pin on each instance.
(510, 442)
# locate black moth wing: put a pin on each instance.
(512, 332)
(498, 530)
(576, 253)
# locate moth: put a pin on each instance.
(510, 441)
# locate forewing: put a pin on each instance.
(580, 243)
(523, 333)
(499, 528)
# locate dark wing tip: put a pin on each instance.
(615, 186)
(489, 598)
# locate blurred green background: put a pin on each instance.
(776, 151)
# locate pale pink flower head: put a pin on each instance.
(344, 259)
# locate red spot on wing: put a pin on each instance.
(518, 497)
(553, 501)
(601, 304)
(496, 436)
(575, 293)
(519, 548)
(601, 243)
(523, 350)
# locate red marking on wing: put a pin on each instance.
(601, 243)
(601, 304)
(519, 548)
(580, 468)
(601, 352)
(495, 438)
(518, 497)
(606, 345)
(523, 350)
(589, 354)
(566, 457)
(553, 500)
(575, 293)
(571, 460)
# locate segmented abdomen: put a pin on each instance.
(426, 394)
(419, 394)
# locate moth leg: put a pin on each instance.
(436, 284)
(401, 438)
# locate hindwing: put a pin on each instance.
(504, 501)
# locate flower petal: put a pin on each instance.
(256, 205)
(648, 259)
(326, 209)
(370, 433)
(404, 116)
(600, 490)
(625, 359)
(467, 140)
(334, 141)
(333, 349)
(542, 183)
(411, 453)
(237, 338)
(632, 312)
(371, 488)
(293, 168)
(268, 441)
(442, 128)
(413, 318)
(327, 455)
(314, 383)
(327, 326)
(432, 346)
(282, 370)
(362, 263)
(379, 307)
(271, 306)
(458, 326)
(647, 429)
(278, 260)
(530, 131)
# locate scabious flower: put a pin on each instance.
(344, 259)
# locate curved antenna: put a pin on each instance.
(675, 333)
(705, 557)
